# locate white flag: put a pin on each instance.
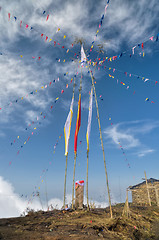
(89, 119)
(67, 127)
(83, 56)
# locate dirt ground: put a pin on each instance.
(143, 223)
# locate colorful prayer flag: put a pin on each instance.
(47, 17)
(67, 127)
(78, 124)
(83, 56)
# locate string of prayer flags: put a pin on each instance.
(47, 39)
(140, 45)
(127, 74)
(123, 152)
(35, 91)
(127, 87)
(36, 193)
(148, 100)
(37, 122)
(99, 26)
(121, 147)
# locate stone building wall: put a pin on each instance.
(140, 196)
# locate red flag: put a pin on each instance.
(47, 17)
(78, 124)
(9, 16)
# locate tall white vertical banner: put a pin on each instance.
(89, 119)
(67, 127)
(83, 56)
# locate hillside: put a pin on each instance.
(95, 224)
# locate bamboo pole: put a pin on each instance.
(87, 181)
(40, 200)
(147, 190)
(75, 156)
(92, 77)
(157, 199)
(127, 204)
(46, 192)
(126, 209)
(65, 182)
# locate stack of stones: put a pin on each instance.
(79, 191)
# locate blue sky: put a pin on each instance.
(135, 121)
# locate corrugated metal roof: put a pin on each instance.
(151, 180)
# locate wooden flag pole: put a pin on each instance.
(87, 181)
(92, 77)
(75, 156)
(126, 210)
(65, 182)
(46, 192)
(147, 190)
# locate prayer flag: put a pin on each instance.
(78, 124)
(89, 119)
(83, 56)
(47, 17)
(67, 127)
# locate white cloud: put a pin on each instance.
(129, 134)
(145, 152)
(126, 138)
(12, 205)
